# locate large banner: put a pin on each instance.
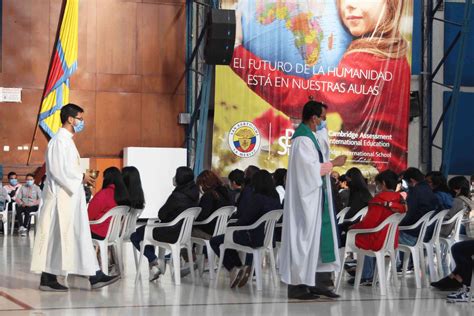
(354, 56)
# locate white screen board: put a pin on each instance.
(157, 168)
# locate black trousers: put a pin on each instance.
(25, 210)
(231, 257)
(462, 254)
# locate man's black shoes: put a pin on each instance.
(49, 283)
(101, 280)
(323, 292)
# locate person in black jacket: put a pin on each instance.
(184, 196)
(420, 200)
(262, 199)
(236, 181)
(359, 197)
(215, 195)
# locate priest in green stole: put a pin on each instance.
(309, 238)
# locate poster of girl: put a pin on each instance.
(367, 89)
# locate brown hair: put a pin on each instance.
(385, 40)
(209, 182)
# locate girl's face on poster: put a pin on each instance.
(361, 16)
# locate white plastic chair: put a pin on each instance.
(117, 216)
(342, 214)
(433, 246)
(4, 214)
(221, 216)
(447, 242)
(358, 216)
(416, 251)
(387, 249)
(269, 220)
(129, 227)
(13, 217)
(184, 241)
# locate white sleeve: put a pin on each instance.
(307, 164)
(62, 166)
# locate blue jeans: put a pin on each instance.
(407, 239)
(369, 267)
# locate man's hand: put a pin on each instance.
(339, 161)
(88, 180)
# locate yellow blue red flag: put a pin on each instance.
(63, 65)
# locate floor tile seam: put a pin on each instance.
(223, 304)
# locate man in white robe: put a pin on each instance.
(309, 236)
(63, 243)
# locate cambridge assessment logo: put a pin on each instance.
(244, 139)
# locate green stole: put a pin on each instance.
(326, 246)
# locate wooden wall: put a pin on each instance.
(131, 57)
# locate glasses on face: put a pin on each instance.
(79, 118)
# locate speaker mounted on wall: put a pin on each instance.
(220, 37)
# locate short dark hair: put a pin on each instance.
(70, 110)
(250, 171)
(29, 175)
(460, 183)
(312, 108)
(413, 173)
(10, 174)
(262, 183)
(279, 176)
(438, 181)
(184, 175)
(237, 176)
(389, 177)
(342, 178)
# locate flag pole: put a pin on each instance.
(33, 139)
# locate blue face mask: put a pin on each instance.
(79, 127)
(30, 182)
(13, 182)
(321, 125)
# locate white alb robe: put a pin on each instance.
(302, 216)
(63, 243)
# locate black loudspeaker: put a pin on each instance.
(220, 38)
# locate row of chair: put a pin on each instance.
(433, 247)
(8, 218)
(123, 224)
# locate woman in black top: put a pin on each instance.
(215, 195)
(359, 197)
(184, 196)
(263, 198)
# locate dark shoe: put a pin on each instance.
(323, 292)
(235, 275)
(50, 283)
(462, 295)
(245, 276)
(351, 272)
(300, 292)
(447, 284)
(101, 280)
(366, 282)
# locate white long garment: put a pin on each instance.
(63, 243)
(302, 216)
